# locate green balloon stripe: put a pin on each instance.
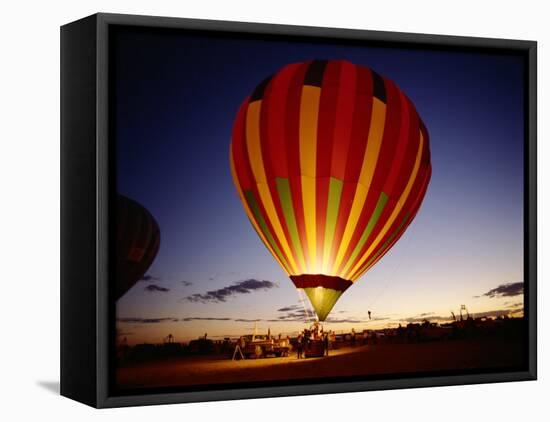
(382, 201)
(283, 189)
(385, 245)
(263, 225)
(334, 196)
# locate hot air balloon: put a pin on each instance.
(331, 162)
(138, 241)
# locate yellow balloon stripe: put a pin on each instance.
(250, 216)
(395, 212)
(309, 113)
(374, 142)
(256, 162)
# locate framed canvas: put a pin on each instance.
(253, 210)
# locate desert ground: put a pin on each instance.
(361, 360)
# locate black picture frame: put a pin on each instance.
(86, 199)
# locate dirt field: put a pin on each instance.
(363, 360)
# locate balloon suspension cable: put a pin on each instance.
(391, 273)
(303, 302)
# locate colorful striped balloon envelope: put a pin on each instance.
(138, 242)
(331, 162)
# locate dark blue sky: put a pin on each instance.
(176, 98)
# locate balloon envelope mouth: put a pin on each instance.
(322, 290)
(303, 281)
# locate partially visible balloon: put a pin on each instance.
(138, 241)
(331, 162)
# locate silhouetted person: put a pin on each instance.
(326, 343)
(300, 346)
(307, 338)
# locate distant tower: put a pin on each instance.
(463, 308)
